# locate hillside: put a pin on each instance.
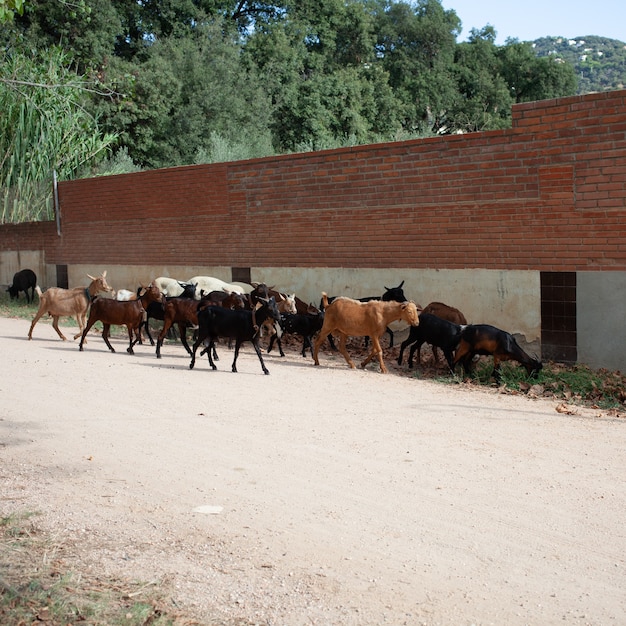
(600, 62)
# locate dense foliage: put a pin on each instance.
(193, 81)
(599, 63)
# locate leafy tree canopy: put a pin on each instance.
(189, 81)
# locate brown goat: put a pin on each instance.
(180, 311)
(58, 302)
(128, 313)
(445, 312)
(350, 317)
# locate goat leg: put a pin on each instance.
(415, 347)
(343, 338)
(182, 329)
(259, 354)
(105, 335)
(376, 351)
(55, 325)
(131, 343)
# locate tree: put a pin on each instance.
(534, 78)
(87, 32)
(186, 92)
(484, 101)
(416, 44)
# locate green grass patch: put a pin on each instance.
(19, 308)
(576, 384)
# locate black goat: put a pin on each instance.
(216, 321)
(305, 325)
(23, 281)
(437, 332)
(489, 340)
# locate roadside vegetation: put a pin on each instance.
(99, 88)
(38, 587)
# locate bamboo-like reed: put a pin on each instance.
(43, 126)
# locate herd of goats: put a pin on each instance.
(244, 313)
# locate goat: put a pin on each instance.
(210, 283)
(171, 286)
(489, 340)
(445, 312)
(435, 331)
(227, 300)
(215, 322)
(180, 311)
(351, 317)
(392, 294)
(286, 304)
(156, 311)
(113, 312)
(260, 292)
(124, 295)
(303, 324)
(58, 302)
(23, 281)
(245, 287)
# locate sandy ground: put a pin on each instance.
(314, 495)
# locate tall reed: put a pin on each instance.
(44, 126)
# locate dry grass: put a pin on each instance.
(38, 587)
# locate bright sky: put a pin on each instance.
(528, 20)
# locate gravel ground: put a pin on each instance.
(314, 495)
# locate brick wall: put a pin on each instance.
(548, 194)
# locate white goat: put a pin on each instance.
(210, 283)
(125, 295)
(170, 286)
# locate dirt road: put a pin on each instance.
(314, 495)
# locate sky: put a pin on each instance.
(528, 20)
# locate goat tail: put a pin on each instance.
(324, 300)
(38, 290)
